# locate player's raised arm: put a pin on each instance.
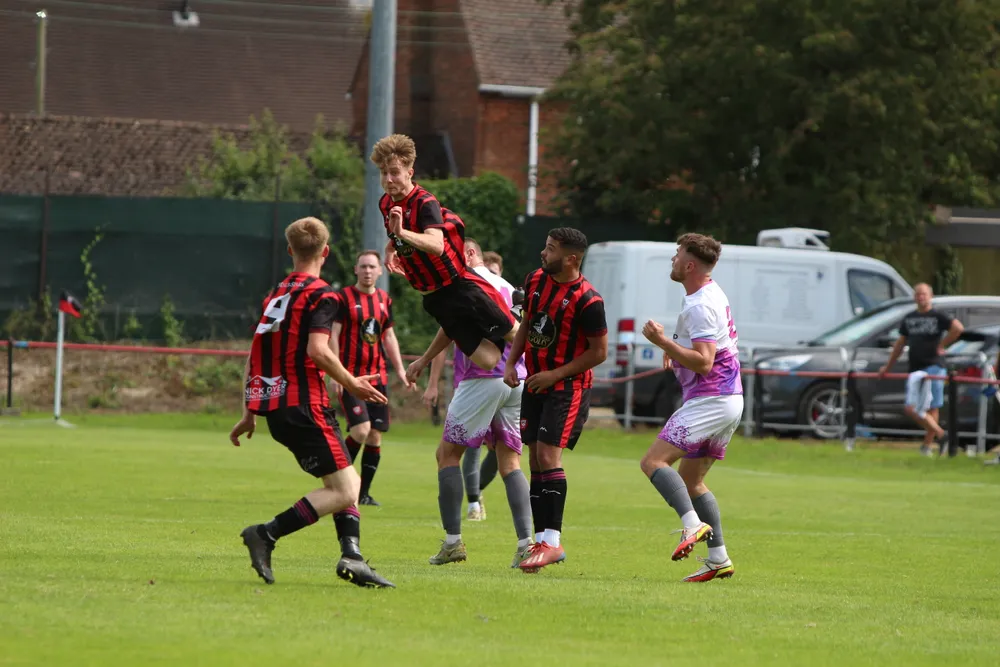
(392, 349)
(319, 351)
(430, 238)
(516, 352)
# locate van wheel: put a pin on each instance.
(821, 411)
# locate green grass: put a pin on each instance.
(119, 545)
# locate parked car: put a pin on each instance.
(867, 341)
(779, 296)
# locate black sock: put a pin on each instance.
(369, 466)
(353, 447)
(348, 523)
(554, 497)
(535, 494)
(473, 498)
(296, 517)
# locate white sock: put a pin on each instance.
(718, 554)
(523, 543)
(551, 537)
(452, 540)
(539, 536)
(474, 506)
(691, 520)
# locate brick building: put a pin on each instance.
(472, 84)
(128, 59)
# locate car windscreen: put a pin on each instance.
(862, 326)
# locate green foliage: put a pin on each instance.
(34, 322)
(488, 205)
(132, 328)
(328, 173)
(172, 328)
(730, 117)
(89, 327)
(214, 376)
(948, 278)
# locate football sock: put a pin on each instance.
(348, 523)
(535, 496)
(369, 466)
(671, 486)
(488, 470)
(518, 497)
(551, 537)
(708, 511)
(450, 499)
(296, 517)
(353, 447)
(470, 471)
(554, 497)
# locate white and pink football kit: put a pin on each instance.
(713, 403)
(484, 409)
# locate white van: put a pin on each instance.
(780, 296)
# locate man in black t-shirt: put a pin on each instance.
(923, 329)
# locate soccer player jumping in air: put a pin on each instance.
(363, 336)
(705, 359)
(427, 246)
(283, 382)
(563, 335)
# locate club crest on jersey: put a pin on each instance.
(403, 249)
(260, 388)
(370, 331)
(541, 330)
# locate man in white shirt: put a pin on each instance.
(704, 356)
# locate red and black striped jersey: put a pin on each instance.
(422, 211)
(364, 319)
(560, 317)
(281, 372)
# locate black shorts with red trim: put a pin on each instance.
(470, 310)
(554, 417)
(312, 435)
(357, 411)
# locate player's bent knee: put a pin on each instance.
(361, 432)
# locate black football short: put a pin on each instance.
(357, 411)
(470, 310)
(312, 435)
(554, 417)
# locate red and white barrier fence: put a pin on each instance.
(753, 423)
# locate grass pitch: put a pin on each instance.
(119, 545)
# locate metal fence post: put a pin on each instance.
(758, 400)
(846, 363)
(984, 406)
(952, 412)
(629, 389)
(10, 372)
(749, 389)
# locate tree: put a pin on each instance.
(853, 116)
(329, 173)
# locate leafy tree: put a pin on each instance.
(329, 173)
(731, 116)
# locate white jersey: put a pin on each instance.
(706, 316)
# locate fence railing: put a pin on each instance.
(847, 426)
